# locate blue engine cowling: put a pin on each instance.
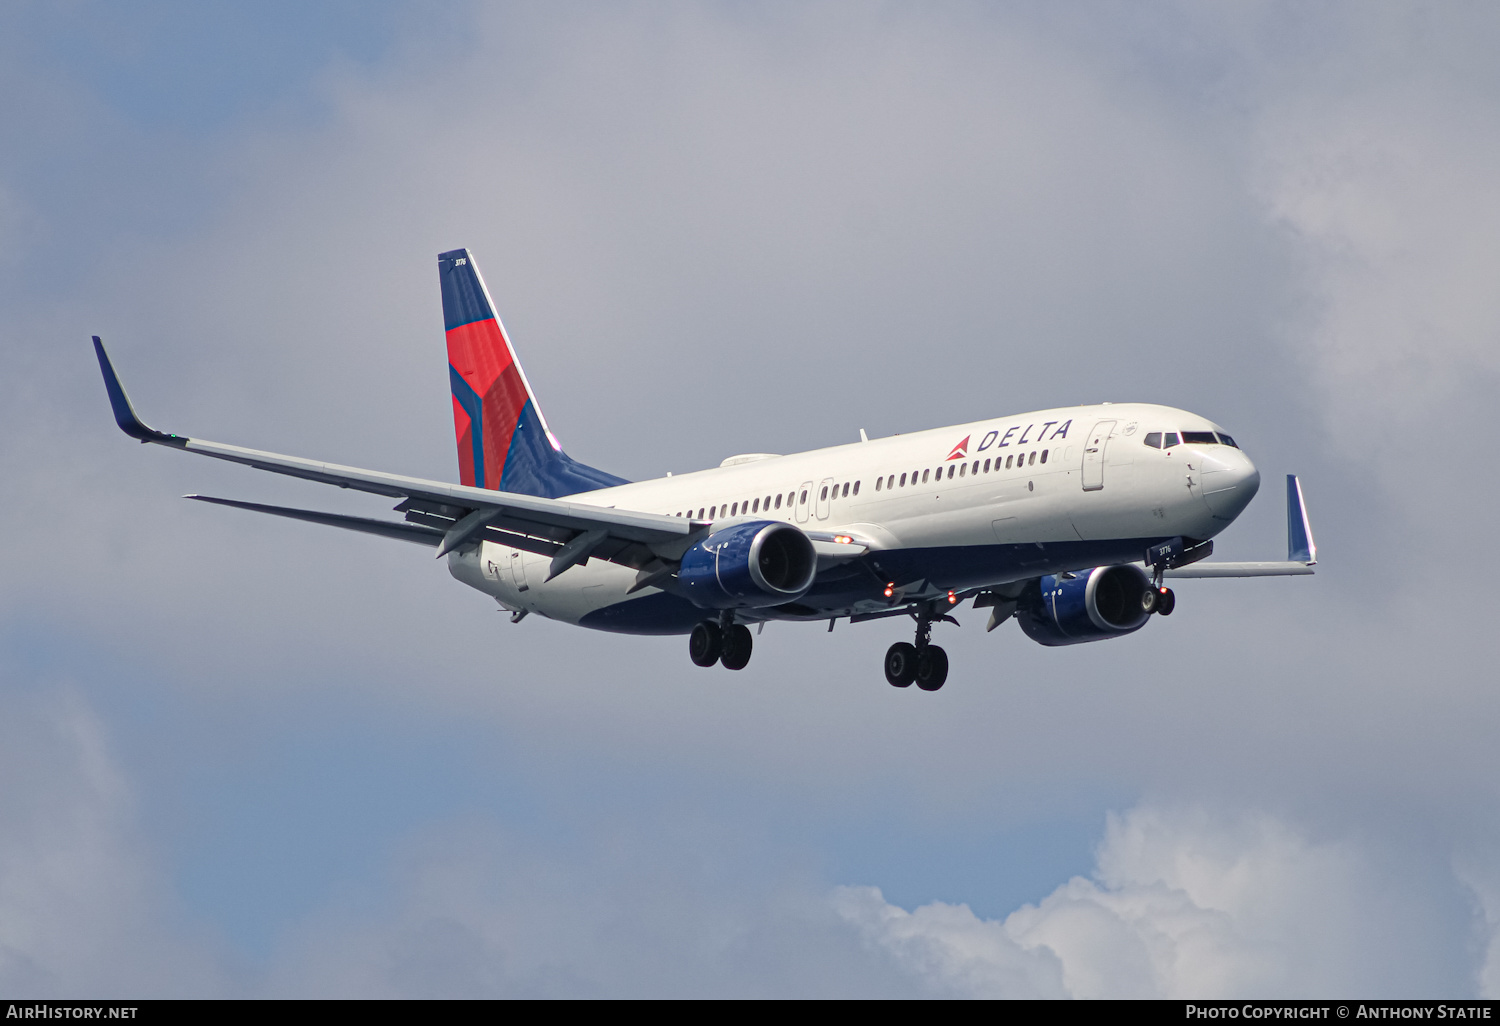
(1069, 609)
(761, 563)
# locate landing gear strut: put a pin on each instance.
(924, 663)
(726, 642)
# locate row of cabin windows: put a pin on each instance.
(770, 502)
(1165, 440)
(964, 469)
(848, 488)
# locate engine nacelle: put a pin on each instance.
(1069, 609)
(761, 563)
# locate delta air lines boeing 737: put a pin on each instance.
(1066, 520)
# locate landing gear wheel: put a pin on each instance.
(1165, 601)
(932, 668)
(705, 644)
(901, 664)
(1149, 601)
(737, 646)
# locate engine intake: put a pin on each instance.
(1070, 609)
(761, 563)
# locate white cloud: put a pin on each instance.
(1182, 904)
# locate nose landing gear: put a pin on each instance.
(1166, 601)
(1160, 599)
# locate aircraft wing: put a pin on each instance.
(446, 515)
(1301, 550)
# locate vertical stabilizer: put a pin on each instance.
(503, 440)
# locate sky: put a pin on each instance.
(247, 757)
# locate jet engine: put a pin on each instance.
(1069, 609)
(751, 565)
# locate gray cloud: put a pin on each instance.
(84, 910)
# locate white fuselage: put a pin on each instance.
(985, 503)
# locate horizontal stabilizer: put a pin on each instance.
(385, 528)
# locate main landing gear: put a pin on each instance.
(727, 642)
(922, 663)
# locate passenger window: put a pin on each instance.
(890, 482)
(711, 512)
(1044, 455)
(824, 494)
(962, 470)
(755, 508)
(856, 487)
(1169, 439)
(778, 500)
(924, 476)
(878, 482)
(950, 472)
(1153, 439)
(986, 466)
(1008, 461)
(846, 490)
(1032, 462)
(804, 497)
(734, 510)
(975, 468)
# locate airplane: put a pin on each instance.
(1067, 520)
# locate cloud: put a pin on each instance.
(1182, 904)
(83, 906)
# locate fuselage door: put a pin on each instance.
(824, 501)
(804, 505)
(1093, 455)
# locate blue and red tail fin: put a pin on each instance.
(503, 441)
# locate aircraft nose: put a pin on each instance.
(1230, 481)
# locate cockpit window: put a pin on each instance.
(1153, 439)
(1227, 440)
(1169, 439)
(1199, 438)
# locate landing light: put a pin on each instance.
(890, 589)
(843, 539)
(952, 599)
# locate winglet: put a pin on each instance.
(120, 402)
(1300, 547)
